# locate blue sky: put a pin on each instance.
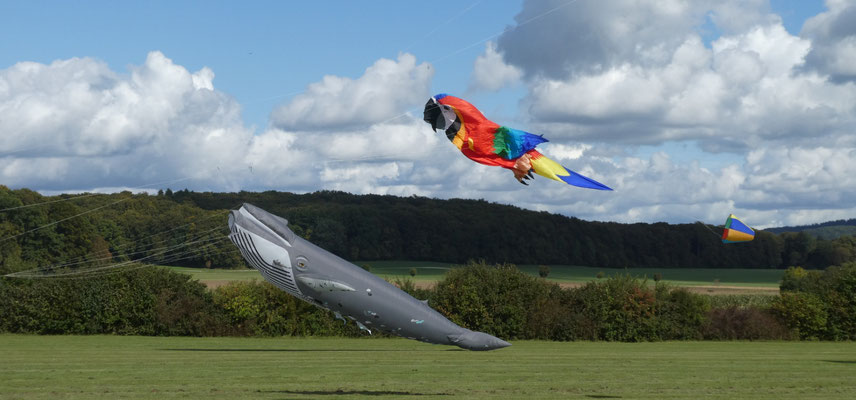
(690, 111)
(261, 52)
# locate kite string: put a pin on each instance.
(117, 270)
(32, 273)
(120, 247)
(83, 260)
(437, 28)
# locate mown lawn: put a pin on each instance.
(108, 367)
(433, 271)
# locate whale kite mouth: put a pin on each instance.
(263, 248)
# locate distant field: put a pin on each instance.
(433, 271)
(204, 274)
(566, 273)
(108, 367)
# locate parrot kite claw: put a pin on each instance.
(488, 143)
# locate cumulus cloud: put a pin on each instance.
(77, 124)
(624, 73)
(833, 37)
(600, 78)
(588, 36)
(381, 93)
(490, 72)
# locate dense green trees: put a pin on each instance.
(156, 229)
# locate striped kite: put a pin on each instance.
(486, 142)
(736, 231)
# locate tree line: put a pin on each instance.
(98, 229)
(496, 299)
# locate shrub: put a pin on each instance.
(147, 301)
(798, 279)
(761, 301)
(681, 313)
(262, 309)
(621, 308)
(804, 313)
(827, 297)
(744, 323)
(407, 286)
(543, 271)
(493, 299)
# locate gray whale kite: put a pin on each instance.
(315, 275)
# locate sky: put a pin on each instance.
(689, 110)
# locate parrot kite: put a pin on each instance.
(486, 142)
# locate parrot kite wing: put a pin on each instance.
(736, 231)
(486, 142)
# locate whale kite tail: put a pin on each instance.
(548, 168)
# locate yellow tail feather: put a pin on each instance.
(548, 168)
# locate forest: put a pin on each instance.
(188, 228)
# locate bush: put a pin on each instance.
(761, 301)
(407, 286)
(804, 313)
(681, 313)
(262, 309)
(827, 299)
(147, 301)
(798, 279)
(620, 308)
(493, 299)
(744, 323)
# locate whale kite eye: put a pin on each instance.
(302, 262)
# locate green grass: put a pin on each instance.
(433, 271)
(108, 367)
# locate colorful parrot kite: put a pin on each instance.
(486, 142)
(736, 231)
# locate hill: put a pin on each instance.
(825, 230)
(186, 228)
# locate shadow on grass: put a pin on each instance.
(602, 396)
(341, 392)
(291, 350)
(840, 361)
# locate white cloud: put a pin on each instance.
(491, 73)
(381, 93)
(607, 78)
(833, 37)
(76, 124)
(602, 77)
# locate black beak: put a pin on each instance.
(433, 115)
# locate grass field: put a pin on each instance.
(433, 271)
(108, 367)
